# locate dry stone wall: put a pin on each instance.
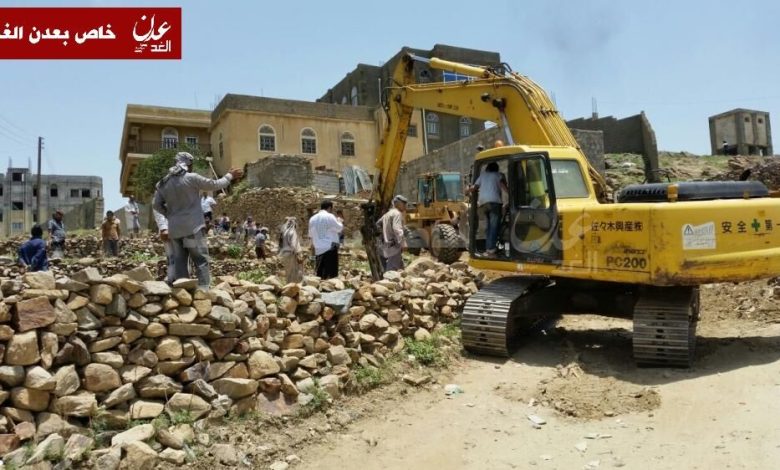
(89, 348)
(271, 206)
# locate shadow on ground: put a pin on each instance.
(608, 353)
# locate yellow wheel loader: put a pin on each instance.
(438, 220)
(567, 248)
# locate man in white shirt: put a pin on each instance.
(490, 184)
(132, 209)
(207, 204)
(324, 230)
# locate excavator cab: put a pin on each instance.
(528, 231)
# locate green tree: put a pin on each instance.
(155, 166)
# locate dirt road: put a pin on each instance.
(600, 410)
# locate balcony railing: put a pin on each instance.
(152, 146)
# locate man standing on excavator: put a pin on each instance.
(490, 186)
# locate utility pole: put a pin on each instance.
(38, 183)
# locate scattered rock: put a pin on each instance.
(138, 433)
(196, 406)
(138, 456)
(225, 454)
(416, 380)
(77, 446)
(173, 456)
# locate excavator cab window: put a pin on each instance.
(532, 219)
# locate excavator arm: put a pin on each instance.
(514, 102)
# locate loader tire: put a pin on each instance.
(445, 243)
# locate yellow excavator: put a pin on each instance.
(569, 249)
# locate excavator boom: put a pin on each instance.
(487, 95)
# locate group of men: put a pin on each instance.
(180, 211)
(326, 230)
(33, 253)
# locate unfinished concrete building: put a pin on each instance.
(363, 87)
(741, 132)
(80, 198)
(632, 134)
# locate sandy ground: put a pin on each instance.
(601, 411)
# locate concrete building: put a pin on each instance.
(148, 129)
(363, 87)
(246, 128)
(80, 198)
(745, 132)
(632, 134)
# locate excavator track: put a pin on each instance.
(488, 322)
(665, 326)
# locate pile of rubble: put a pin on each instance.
(86, 356)
(90, 246)
(765, 169)
(270, 206)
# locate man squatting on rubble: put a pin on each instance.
(178, 199)
(32, 253)
(324, 230)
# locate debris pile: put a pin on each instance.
(270, 206)
(766, 170)
(85, 356)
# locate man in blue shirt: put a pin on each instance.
(32, 253)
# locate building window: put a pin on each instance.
(432, 124)
(86, 193)
(308, 141)
(191, 141)
(1, 189)
(747, 119)
(170, 138)
(35, 191)
(354, 96)
(17, 226)
(53, 192)
(760, 120)
(221, 148)
(17, 206)
(35, 216)
(17, 177)
(74, 193)
(412, 131)
(465, 127)
(347, 145)
(455, 77)
(267, 138)
(1, 216)
(344, 99)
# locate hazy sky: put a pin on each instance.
(679, 61)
